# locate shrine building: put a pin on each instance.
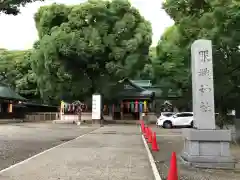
(139, 96)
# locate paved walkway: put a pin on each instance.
(111, 152)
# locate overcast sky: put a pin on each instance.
(19, 32)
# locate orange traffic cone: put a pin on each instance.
(150, 136)
(146, 132)
(143, 127)
(173, 172)
(154, 143)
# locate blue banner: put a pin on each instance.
(140, 106)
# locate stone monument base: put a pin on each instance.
(207, 148)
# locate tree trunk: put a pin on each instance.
(93, 86)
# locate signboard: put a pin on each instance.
(96, 106)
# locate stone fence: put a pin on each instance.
(51, 116)
(85, 117)
(41, 116)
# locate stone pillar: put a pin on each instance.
(205, 146)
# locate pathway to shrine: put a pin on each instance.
(111, 152)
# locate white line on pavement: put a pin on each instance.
(152, 162)
(43, 152)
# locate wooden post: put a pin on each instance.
(121, 110)
(113, 111)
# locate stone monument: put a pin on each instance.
(204, 146)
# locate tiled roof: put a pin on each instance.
(142, 83)
(7, 93)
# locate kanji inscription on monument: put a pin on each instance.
(204, 56)
(202, 84)
(204, 89)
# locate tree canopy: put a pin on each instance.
(13, 6)
(16, 71)
(82, 47)
(92, 46)
(216, 20)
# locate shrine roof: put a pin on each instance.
(7, 93)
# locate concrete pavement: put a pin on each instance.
(111, 152)
(23, 140)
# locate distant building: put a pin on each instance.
(137, 96)
(9, 103)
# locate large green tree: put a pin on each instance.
(217, 20)
(85, 47)
(172, 62)
(147, 72)
(16, 72)
(13, 6)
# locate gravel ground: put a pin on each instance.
(23, 140)
(171, 140)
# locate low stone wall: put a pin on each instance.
(70, 117)
(9, 121)
(87, 117)
(50, 116)
(41, 116)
